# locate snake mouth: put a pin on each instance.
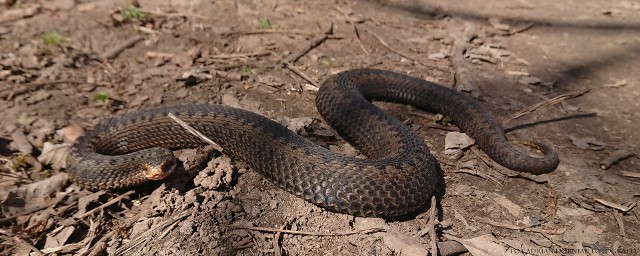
(158, 172)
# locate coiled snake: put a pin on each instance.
(397, 177)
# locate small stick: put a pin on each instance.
(13, 91)
(355, 30)
(195, 132)
(317, 41)
(616, 206)
(479, 174)
(546, 103)
(386, 45)
(618, 216)
(615, 157)
(112, 201)
(528, 228)
(239, 55)
(432, 226)
(138, 240)
(300, 73)
(114, 52)
(286, 231)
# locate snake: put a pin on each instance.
(397, 176)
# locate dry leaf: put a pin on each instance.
(485, 245)
(19, 140)
(34, 196)
(403, 244)
(70, 133)
(455, 141)
(55, 155)
(587, 143)
(497, 24)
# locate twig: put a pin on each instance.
(546, 103)
(479, 174)
(615, 157)
(465, 81)
(195, 132)
(355, 30)
(263, 31)
(293, 232)
(26, 87)
(112, 201)
(314, 43)
(432, 226)
(505, 171)
(300, 73)
(528, 228)
(239, 55)
(386, 45)
(618, 216)
(149, 233)
(114, 52)
(616, 206)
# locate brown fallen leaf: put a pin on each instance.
(587, 143)
(34, 196)
(485, 245)
(70, 133)
(55, 155)
(497, 24)
(403, 244)
(456, 141)
(19, 140)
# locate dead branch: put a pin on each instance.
(546, 103)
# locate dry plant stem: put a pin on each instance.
(618, 216)
(616, 206)
(464, 79)
(615, 157)
(355, 30)
(293, 232)
(23, 88)
(479, 174)
(432, 226)
(239, 55)
(386, 45)
(112, 201)
(149, 233)
(114, 52)
(505, 171)
(546, 103)
(195, 132)
(521, 228)
(315, 43)
(301, 74)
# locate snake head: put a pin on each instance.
(159, 167)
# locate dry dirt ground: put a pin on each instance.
(65, 65)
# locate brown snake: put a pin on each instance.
(397, 177)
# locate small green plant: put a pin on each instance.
(266, 23)
(101, 96)
(53, 38)
(446, 120)
(19, 163)
(245, 69)
(131, 12)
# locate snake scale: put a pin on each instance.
(397, 177)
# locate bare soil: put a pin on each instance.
(112, 58)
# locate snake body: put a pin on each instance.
(397, 177)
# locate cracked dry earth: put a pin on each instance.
(65, 65)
